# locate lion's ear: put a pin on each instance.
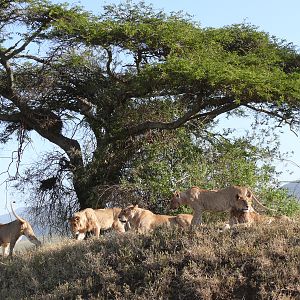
(136, 206)
(249, 194)
(177, 194)
(72, 219)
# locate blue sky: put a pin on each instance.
(277, 17)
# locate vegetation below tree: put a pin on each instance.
(245, 263)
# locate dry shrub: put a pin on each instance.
(245, 263)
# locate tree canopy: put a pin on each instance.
(115, 89)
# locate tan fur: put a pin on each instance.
(11, 232)
(213, 200)
(184, 220)
(143, 220)
(93, 220)
(252, 217)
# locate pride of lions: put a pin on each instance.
(235, 199)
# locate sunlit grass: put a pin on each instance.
(245, 263)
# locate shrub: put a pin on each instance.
(246, 263)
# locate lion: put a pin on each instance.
(11, 232)
(252, 217)
(93, 220)
(184, 220)
(213, 200)
(144, 220)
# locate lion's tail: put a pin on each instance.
(15, 214)
(259, 203)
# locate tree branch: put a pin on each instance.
(108, 63)
(27, 41)
(190, 115)
(70, 146)
(10, 117)
(35, 58)
(10, 77)
(273, 113)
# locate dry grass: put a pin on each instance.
(246, 263)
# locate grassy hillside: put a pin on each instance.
(247, 263)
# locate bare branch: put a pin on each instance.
(10, 117)
(270, 113)
(280, 116)
(33, 57)
(27, 41)
(12, 47)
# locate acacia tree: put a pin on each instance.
(128, 78)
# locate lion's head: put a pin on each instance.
(127, 213)
(243, 200)
(29, 233)
(78, 227)
(176, 200)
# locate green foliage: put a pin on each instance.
(238, 60)
(179, 160)
(145, 87)
(279, 200)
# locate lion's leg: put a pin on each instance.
(197, 218)
(80, 236)
(232, 221)
(97, 231)
(227, 226)
(11, 246)
(5, 249)
(118, 226)
(142, 229)
(127, 226)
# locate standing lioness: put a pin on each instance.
(200, 200)
(11, 232)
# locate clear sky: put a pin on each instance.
(277, 17)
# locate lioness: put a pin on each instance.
(213, 200)
(93, 220)
(11, 232)
(252, 217)
(184, 220)
(143, 220)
